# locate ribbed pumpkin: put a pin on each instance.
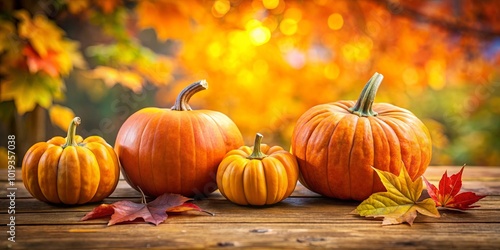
(337, 144)
(71, 170)
(175, 150)
(261, 175)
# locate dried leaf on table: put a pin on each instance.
(154, 212)
(400, 203)
(448, 195)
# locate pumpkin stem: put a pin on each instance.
(181, 103)
(363, 106)
(70, 138)
(257, 154)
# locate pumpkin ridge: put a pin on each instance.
(244, 168)
(43, 181)
(281, 170)
(335, 126)
(33, 188)
(421, 134)
(397, 128)
(245, 190)
(68, 172)
(382, 137)
(311, 129)
(119, 150)
(393, 163)
(231, 191)
(220, 128)
(361, 168)
(349, 169)
(264, 175)
(109, 186)
(56, 193)
(210, 153)
(276, 197)
(301, 124)
(141, 156)
(417, 157)
(154, 151)
(207, 153)
(90, 160)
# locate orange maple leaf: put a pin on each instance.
(154, 212)
(36, 63)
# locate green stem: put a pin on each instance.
(257, 154)
(70, 139)
(181, 103)
(363, 106)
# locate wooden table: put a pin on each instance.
(303, 220)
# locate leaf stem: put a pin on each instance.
(143, 196)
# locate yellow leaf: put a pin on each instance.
(28, 90)
(40, 32)
(70, 57)
(61, 116)
(400, 203)
(112, 76)
(158, 72)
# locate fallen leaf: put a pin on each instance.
(448, 195)
(187, 207)
(400, 203)
(154, 212)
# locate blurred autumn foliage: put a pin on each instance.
(266, 61)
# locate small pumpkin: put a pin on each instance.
(258, 175)
(71, 170)
(175, 150)
(337, 144)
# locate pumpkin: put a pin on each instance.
(175, 150)
(71, 170)
(261, 175)
(337, 144)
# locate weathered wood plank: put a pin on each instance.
(260, 235)
(292, 210)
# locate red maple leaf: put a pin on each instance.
(154, 212)
(37, 63)
(447, 195)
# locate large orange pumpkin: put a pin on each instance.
(261, 175)
(337, 144)
(71, 170)
(175, 150)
